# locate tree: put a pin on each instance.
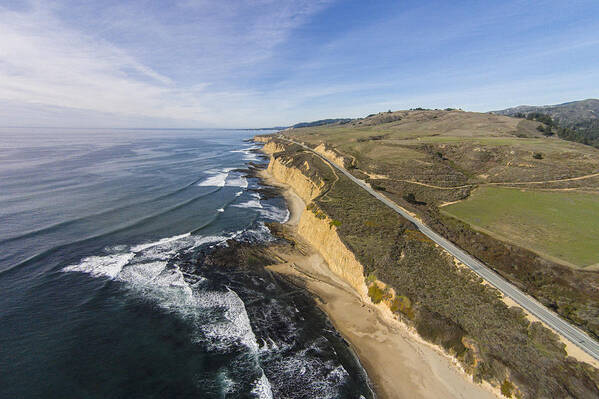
(411, 198)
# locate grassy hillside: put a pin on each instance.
(576, 121)
(423, 159)
(569, 113)
(563, 225)
(467, 147)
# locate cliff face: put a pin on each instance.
(315, 227)
(334, 156)
(322, 235)
(262, 139)
(294, 177)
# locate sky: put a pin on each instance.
(259, 63)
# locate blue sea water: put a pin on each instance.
(99, 297)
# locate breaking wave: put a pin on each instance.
(249, 154)
(267, 211)
(148, 270)
(224, 178)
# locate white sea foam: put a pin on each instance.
(236, 181)
(145, 269)
(244, 150)
(148, 271)
(227, 382)
(249, 204)
(236, 327)
(248, 154)
(262, 387)
(163, 241)
(287, 215)
(217, 180)
(97, 266)
(274, 213)
(222, 178)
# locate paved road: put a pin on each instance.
(559, 325)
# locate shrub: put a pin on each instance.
(507, 388)
(411, 198)
(402, 304)
(371, 278)
(335, 223)
(375, 293)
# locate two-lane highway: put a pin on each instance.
(559, 325)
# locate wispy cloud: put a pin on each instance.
(46, 60)
(271, 62)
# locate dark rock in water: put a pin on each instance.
(258, 165)
(240, 254)
(267, 192)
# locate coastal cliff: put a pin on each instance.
(389, 262)
(335, 156)
(314, 226)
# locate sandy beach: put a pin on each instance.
(398, 362)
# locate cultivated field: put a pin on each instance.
(562, 225)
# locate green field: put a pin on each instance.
(561, 225)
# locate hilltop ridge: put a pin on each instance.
(568, 113)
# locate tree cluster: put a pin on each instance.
(585, 132)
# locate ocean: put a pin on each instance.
(100, 295)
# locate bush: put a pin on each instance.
(402, 304)
(507, 388)
(371, 278)
(335, 223)
(411, 198)
(375, 293)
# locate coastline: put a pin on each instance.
(399, 364)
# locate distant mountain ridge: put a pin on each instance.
(576, 120)
(567, 114)
(321, 122)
